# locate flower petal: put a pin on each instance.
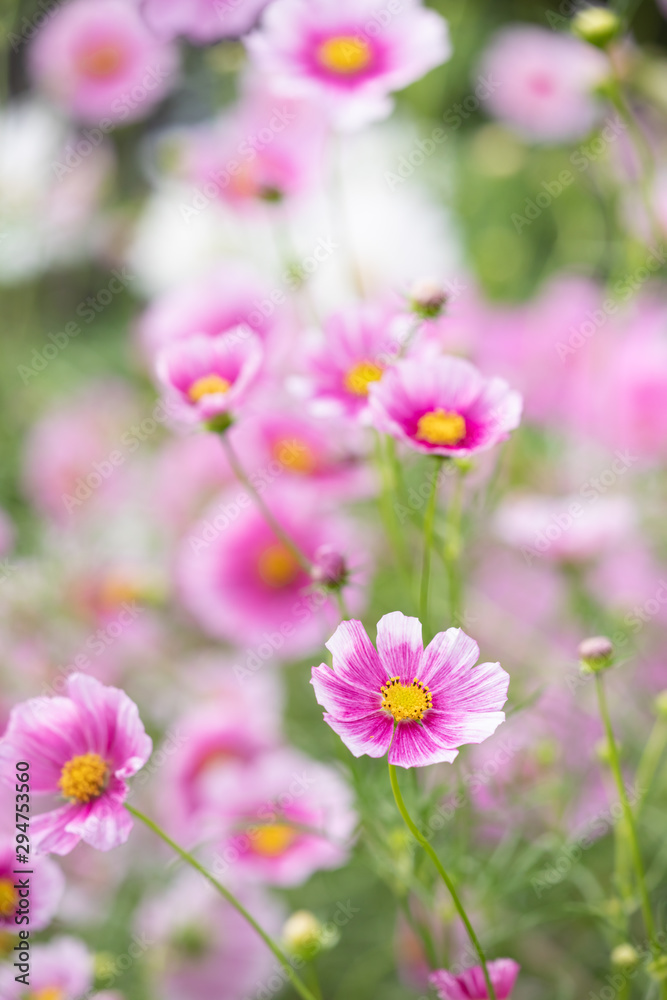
(108, 823)
(371, 735)
(399, 643)
(412, 746)
(355, 658)
(50, 832)
(452, 729)
(343, 700)
(448, 652)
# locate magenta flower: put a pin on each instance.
(444, 406)
(101, 63)
(418, 704)
(80, 748)
(351, 54)
(470, 985)
(47, 883)
(211, 375)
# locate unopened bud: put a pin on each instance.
(603, 751)
(596, 653)
(329, 568)
(427, 297)
(303, 934)
(596, 25)
(625, 956)
(657, 969)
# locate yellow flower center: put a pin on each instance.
(8, 897)
(116, 588)
(277, 566)
(295, 455)
(441, 427)
(84, 778)
(208, 385)
(272, 839)
(361, 375)
(406, 701)
(101, 62)
(345, 54)
(48, 993)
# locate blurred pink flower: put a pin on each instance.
(417, 704)
(47, 883)
(289, 817)
(202, 21)
(351, 54)
(268, 149)
(543, 82)
(444, 406)
(358, 346)
(241, 583)
(208, 951)
(569, 529)
(188, 473)
(471, 985)
(80, 748)
(211, 376)
(101, 63)
(61, 969)
(222, 300)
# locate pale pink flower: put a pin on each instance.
(350, 54)
(101, 63)
(202, 21)
(471, 984)
(61, 969)
(542, 82)
(81, 749)
(417, 704)
(444, 406)
(289, 817)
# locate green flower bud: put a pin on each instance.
(597, 25)
(625, 956)
(596, 653)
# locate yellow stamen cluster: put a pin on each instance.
(48, 993)
(272, 839)
(346, 54)
(101, 62)
(84, 778)
(295, 455)
(361, 375)
(406, 701)
(208, 385)
(277, 566)
(8, 897)
(441, 427)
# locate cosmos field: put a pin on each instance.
(333, 559)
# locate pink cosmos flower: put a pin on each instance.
(207, 950)
(59, 970)
(544, 82)
(417, 704)
(351, 54)
(242, 584)
(47, 883)
(216, 303)
(358, 346)
(268, 149)
(443, 406)
(471, 985)
(202, 21)
(211, 376)
(289, 817)
(101, 63)
(80, 748)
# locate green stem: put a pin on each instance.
(296, 981)
(424, 844)
(275, 526)
(429, 523)
(628, 815)
(650, 760)
(453, 550)
(389, 482)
